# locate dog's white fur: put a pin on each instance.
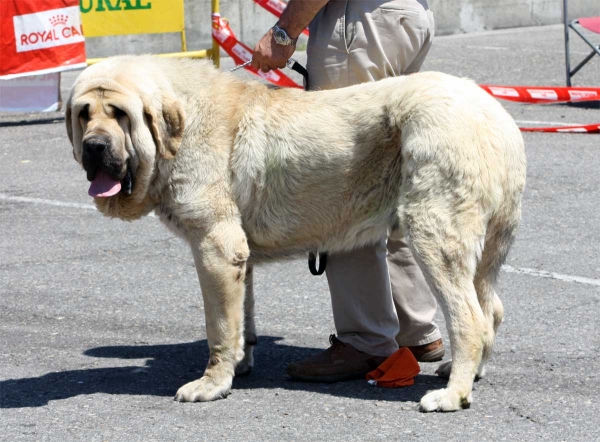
(245, 173)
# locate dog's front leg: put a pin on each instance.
(220, 258)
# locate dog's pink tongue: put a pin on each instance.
(104, 186)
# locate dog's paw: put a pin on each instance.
(244, 367)
(204, 389)
(480, 371)
(444, 369)
(444, 400)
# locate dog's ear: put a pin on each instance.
(68, 121)
(167, 129)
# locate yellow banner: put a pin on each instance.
(121, 17)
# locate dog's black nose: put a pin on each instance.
(94, 146)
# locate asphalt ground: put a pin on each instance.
(102, 321)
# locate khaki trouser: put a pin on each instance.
(379, 296)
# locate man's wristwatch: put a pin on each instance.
(281, 37)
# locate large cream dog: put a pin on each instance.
(245, 173)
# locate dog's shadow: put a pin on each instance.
(168, 367)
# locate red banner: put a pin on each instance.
(275, 7)
(240, 53)
(38, 37)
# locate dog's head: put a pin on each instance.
(121, 123)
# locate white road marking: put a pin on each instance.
(47, 202)
(24, 199)
(552, 275)
(505, 268)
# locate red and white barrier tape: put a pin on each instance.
(543, 94)
(584, 128)
(548, 94)
(241, 53)
(275, 7)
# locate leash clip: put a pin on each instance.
(240, 66)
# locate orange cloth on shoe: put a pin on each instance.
(399, 370)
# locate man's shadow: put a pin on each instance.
(168, 367)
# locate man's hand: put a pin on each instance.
(296, 16)
(269, 55)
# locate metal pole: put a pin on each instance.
(183, 42)
(567, 58)
(216, 54)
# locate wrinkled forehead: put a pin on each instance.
(104, 91)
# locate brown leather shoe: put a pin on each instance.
(340, 362)
(432, 352)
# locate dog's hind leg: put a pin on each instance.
(499, 238)
(220, 256)
(446, 247)
(250, 338)
(491, 306)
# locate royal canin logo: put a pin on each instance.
(59, 19)
(578, 95)
(47, 29)
(504, 91)
(543, 94)
(241, 52)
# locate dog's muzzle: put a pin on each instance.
(108, 174)
(95, 153)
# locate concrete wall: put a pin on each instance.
(250, 21)
(456, 16)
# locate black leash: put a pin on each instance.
(294, 65)
(312, 257)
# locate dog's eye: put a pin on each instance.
(118, 113)
(84, 114)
